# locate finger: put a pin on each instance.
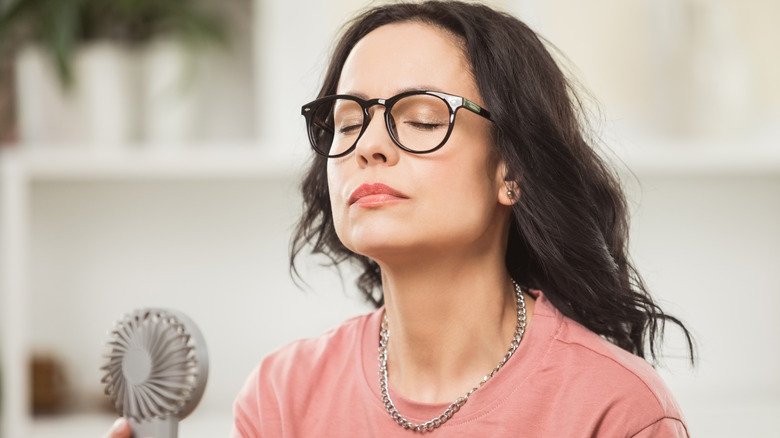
(120, 429)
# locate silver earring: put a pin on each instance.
(510, 193)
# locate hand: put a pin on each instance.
(120, 429)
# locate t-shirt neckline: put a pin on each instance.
(510, 378)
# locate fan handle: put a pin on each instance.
(155, 428)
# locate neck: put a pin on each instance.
(450, 323)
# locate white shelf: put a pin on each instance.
(258, 161)
(143, 162)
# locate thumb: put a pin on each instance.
(120, 429)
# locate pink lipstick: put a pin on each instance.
(374, 194)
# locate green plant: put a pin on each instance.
(60, 26)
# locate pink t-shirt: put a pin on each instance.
(563, 381)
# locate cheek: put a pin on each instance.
(333, 182)
(334, 186)
(335, 192)
(471, 186)
(472, 174)
(459, 193)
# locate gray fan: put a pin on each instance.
(156, 370)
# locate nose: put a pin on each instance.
(375, 145)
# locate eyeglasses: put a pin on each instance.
(418, 121)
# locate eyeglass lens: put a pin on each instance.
(418, 122)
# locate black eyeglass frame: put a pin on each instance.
(454, 103)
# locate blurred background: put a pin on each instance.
(151, 151)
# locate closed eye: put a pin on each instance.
(350, 129)
(424, 126)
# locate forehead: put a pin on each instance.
(410, 55)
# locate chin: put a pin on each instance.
(379, 246)
(375, 248)
(395, 250)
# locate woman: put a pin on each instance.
(451, 168)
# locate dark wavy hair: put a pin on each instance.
(569, 229)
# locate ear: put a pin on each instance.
(509, 194)
(508, 190)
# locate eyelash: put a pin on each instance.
(425, 126)
(343, 130)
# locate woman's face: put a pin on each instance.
(453, 199)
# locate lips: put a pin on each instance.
(374, 194)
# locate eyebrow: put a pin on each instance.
(403, 90)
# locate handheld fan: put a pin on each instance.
(156, 370)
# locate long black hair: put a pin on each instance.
(569, 229)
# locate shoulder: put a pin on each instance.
(627, 387)
(309, 358)
(285, 378)
(312, 354)
(605, 362)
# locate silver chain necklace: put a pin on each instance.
(433, 423)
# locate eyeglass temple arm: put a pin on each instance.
(476, 109)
